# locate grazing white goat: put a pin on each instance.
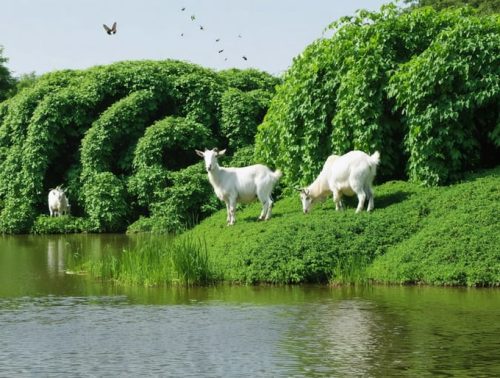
(58, 202)
(349, 174)
(240, 185)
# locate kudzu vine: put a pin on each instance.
(89, 131)
(422, 87)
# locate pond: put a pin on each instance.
(54, 323)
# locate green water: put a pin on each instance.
(53, 323)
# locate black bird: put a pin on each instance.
(182, 34)
(221, 51)
(201, 28)
(183, 9)
(225, 59)
(239, 35)
(109, 30)
(217, 40)
(244, 57)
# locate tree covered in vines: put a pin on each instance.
(118, 137)
(422, 87)
(482, 6)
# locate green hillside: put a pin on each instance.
(446, 236)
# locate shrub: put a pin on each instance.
(242, 112)
(104, 198)
(168, 144)
(448, 95)
(187, 200)
(59, 225)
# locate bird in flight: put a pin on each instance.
(201, 28)
(110, 30)
(193, 17)
(183, 9)
(217, 40)
(244, 57)
(221, 51)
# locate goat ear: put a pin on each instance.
(221, 153)
(200, 153)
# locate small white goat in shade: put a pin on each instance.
(58, 202)
(349, 174)
(240, 185)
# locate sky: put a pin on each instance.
(46, 35)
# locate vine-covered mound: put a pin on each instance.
(421, 87)
(443, 236)
(117, 136)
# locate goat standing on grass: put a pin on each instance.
(349, 174)
(58, 202)
(240, 185)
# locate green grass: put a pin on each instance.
(458, 244)
(155, 261)
(441, 236)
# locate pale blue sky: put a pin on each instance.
(46, 35)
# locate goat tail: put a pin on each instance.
(375, 159)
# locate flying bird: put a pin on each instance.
(183, 9)
(221, 51)
(182, 34)
(193, 17)
(244, 57)
(109, 30)
(201, 28)
(217, 40)
(239, 35)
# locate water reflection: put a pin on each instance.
(345, 331)
(348, 330)
(55, 257)
(37, 265)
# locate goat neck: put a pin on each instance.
(214, 173)
(319, 189)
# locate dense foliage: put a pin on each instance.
(118, 137)
(482, 6)
(422, 87)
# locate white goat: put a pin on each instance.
(58, 202)
(349, 174)
(240, 185)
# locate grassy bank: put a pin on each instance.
(440, 236)
(445, 236)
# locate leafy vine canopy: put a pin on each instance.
(114, 136)
(421, 87)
